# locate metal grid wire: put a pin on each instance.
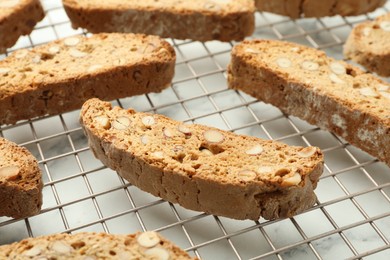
(350, 220)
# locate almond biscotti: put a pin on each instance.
(369, 45)
(87, 246)
(59, 76)
(318, 8)
(201, 20)
(203, 168)
(17, 17)
(20, 181)
(304, 82)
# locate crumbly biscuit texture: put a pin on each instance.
(201, 20)
(316, 8)
(147, 245)
(304, 82)
(203, 168)
(17, 18)
(369, 45)
(20, 181)
(59, 76)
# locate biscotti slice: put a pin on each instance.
(203, 168)
(317, 8)
(60, 76)
(201, 20)
(369, 45)
(17, 18)
(20, 181)
(93, 246)
(304, 82)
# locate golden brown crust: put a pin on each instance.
(369, 45)
(203, 168)
(202, 20)
(85, 245)
(316, 8)
(59, 76)
(20, 181)
(304, 82)
(17, 20)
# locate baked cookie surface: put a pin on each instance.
(369, 45)
(20, 181)
(305, 82)
(60, 76)
(147, 245)
(201, 20)
(17, 18)
(316, 8)
(203, 168)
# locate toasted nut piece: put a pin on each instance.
(77, 54)
(158, 154)
(121, 123)
(148, 121)
(4, 70)
(61, 247)
(310, 65)
(9, 172)
(157, 253)
(206, 152)
(71, 41)
(307, 152)
(21, 53)
(382, 87)
(250, 50)
(148, 239)
(368, 92)
(94, 67)
(385, 25)
(366, 31)
(292, 180)
(337, 68)
(168, 133)
(264, 169)
(184, 129)
(213, 136)
(247, 175)
(282, 171)
(385, 94)
(284, 63)
(36, 59)
(255, 150)
(54, 49)
(144, 139)
(34, 251)
(178, 148)
(335, 79)
(103, 121)
(163, 50)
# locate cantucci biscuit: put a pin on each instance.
(200, 20)
(147, 245)
(20, 181)
(306, 83)
(318, 8)
(60, 76)
(369, 45)
(17, 17)
(203, 168)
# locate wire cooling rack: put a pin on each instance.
(350, 220)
